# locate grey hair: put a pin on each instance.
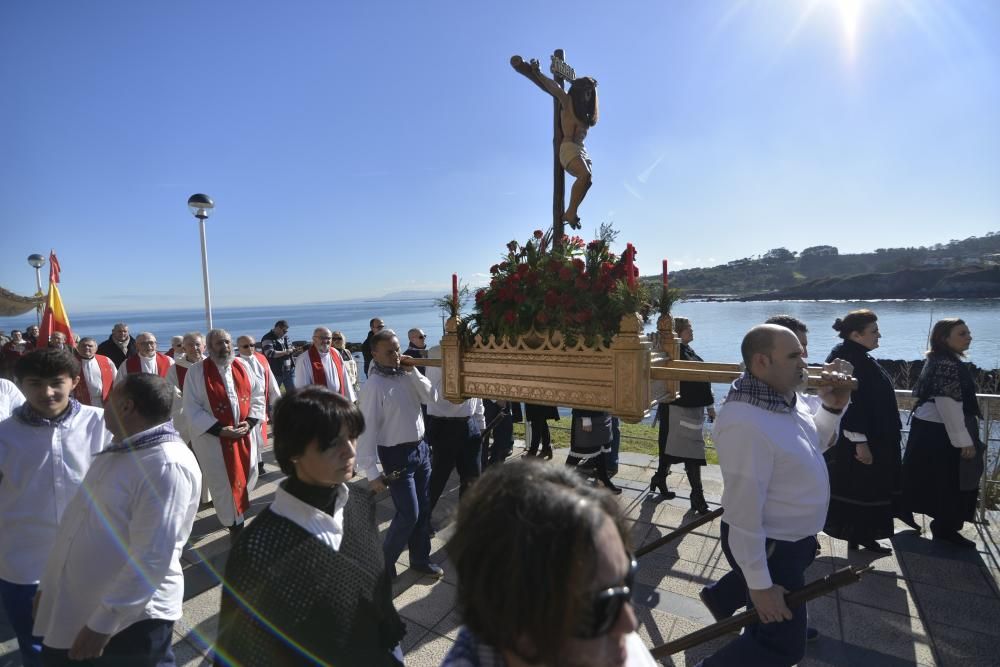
(191, 335)
(214, 333)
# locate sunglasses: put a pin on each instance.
(338, 338)
(606, 606)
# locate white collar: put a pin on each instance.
(328, 529)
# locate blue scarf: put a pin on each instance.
(152, 437)
(30, 416)
(748, 389)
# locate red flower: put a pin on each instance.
(480, 295)
(582, 316)
(495, 268)
(542, 317)
(519, 298)
(580, 282)
(566, 299)
(503, 266)
(579, 264)
(539, 234)
(565, 273)
(531, 279)
(509, 317)
(512, 246)
(523, 268)
(551, 298)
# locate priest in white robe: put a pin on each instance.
(257, 363)
(97, 374)
(146, 359)
(193, 352)
(324, 366)
(223, 401)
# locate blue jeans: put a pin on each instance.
(286, 379)
(411, 527)
(17, 603)
(766, 644)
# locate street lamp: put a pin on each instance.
(201, 207)
(38, 261)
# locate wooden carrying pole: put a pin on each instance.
(796, 598)
(683, 530)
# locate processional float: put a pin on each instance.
(623, 371)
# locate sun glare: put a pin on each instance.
(849, 13)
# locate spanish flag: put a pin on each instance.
(54, 318)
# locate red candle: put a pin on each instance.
(454, 288)
(664, 274)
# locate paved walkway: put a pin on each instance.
(927, 604)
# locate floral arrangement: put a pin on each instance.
(578, 288)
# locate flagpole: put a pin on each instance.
(201, 206)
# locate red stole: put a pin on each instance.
(235, 453)
(182, 372)
(82, 391)
(133, 365)
(267, 394)
(319, 373)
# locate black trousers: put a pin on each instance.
(142, 644)
(453, 446)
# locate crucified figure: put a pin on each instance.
(578, 113)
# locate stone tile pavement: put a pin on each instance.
(926, 604)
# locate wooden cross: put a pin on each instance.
(561, 72)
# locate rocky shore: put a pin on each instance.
(935, 283)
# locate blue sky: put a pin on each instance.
(359, 148)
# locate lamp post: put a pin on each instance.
(38, 261)
(201, 207)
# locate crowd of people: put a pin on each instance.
(107, 451)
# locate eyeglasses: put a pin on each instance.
(606, 606)
(338, 338)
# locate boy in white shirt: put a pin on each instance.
(46, 447)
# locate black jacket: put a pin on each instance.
(873, 409)
(110, 349)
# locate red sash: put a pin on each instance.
(267, 394)
(319, 373)
(133, 365)
(235, 453)
(82, 392)
(182, 372)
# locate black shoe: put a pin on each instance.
(812, 635)
(234, 533)
(260, 469)
(530, 453)
(871, 545)
(955, 539)
(698, 504)
(547, 453)
(659, 483)
(429, 569)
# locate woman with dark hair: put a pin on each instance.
(306, 582)
(864, 464)
(944, 453)
(565, 544)
(681, 422)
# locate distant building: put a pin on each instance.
(820, 251)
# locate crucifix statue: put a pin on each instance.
(576, 111)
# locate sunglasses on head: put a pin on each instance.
(606, 606)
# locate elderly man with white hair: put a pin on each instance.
(223, 401)
(257, 363)
(97, 374)
(324, 366)
(145, 360)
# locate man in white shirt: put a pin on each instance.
(394, 436)
(257, 363)
(322, 365)
(455, 435)
(770, 447)
(46, 447)
(10, 398)
(146, 359)
(113, 584)
(97, 374)
(223, 401)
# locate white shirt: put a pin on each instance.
(10, 398)
(442, 407)
(776, 482)
(304, 373)
(146, 498)
(177, 408)
(146, 365)
(947, 411)
(391, 406)
(328, 529)
(91, 372)
(42, 468)
(197, 408)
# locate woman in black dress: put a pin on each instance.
(944, 453)
(681, 439)
(865, 464)
(537, 416)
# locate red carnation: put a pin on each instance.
(566, 299)
(565, 273)
(519, 298)
(509, 317)
(512, 246)
(503, 266)
(495, 268)
(582, 316)
(480, 295)
(579, 264)
(580, 282)
(538, 234)
(542, 317)
(523, 268)
(551, 298)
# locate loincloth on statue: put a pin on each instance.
(569, 151)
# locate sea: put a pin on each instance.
(718, 325)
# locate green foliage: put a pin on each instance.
(580, 289)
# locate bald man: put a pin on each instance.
(323, 365)
(145, 360)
